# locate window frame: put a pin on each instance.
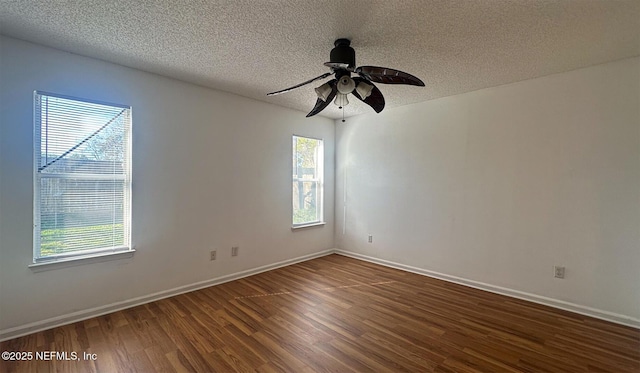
(88, 255)
(319, 180)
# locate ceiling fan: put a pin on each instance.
(342, 63)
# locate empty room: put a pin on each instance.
(320, 186)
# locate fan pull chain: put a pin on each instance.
(343, 114)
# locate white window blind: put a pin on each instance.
(307, 180)
(82, 177)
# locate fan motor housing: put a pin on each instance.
(343, 53)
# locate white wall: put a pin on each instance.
(210, 170)
(495, 186)
(499, 185)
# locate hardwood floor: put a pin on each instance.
(336, 314)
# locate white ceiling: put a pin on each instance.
(251, 47)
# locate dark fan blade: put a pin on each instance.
(387, 76)
(299, 85)
(375, 99)
(320, 105)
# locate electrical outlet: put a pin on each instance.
(558, 272)
(370, 238)
(234, 251)
(213, 255)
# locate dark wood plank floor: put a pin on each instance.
(337, 314)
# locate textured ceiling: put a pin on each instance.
(251, 47)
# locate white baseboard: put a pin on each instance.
(53, 322)
(555, 303)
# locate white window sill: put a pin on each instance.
(318, 224)
(81, 260)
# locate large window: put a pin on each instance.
(307, 180)
(82, 177)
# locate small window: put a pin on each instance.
(307, 180)
(82, 183)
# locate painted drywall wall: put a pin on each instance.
(499, 185)
(210, 170)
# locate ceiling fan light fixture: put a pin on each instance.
(364, 90)
(342, 63)
(346, 85)
(341, 100)
(323, 91)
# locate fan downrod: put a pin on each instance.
(342, 42)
